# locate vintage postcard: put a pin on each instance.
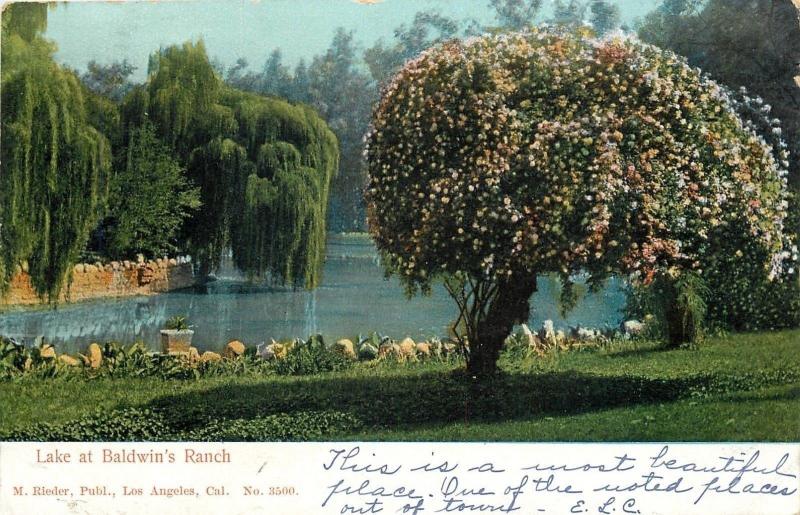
(400, 256)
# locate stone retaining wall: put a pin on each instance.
(116, 279)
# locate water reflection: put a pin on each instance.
(354, 298)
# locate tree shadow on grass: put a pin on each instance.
(422, 400)
(644, 351)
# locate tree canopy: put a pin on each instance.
(501, 158)
(56, 164)
(263, 166)
(741, 43)
(149, 201)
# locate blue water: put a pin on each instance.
(354, 298)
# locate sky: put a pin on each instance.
(232, 29)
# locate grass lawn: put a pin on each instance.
(735, 388)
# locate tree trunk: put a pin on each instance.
(680, 327)
(510, 306)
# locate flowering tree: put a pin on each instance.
(501, 158)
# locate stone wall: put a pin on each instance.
(116, 279)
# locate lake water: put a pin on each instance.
(354, 298)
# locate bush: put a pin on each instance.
(177, 323)
(310, 357)
(142, 424)
(118, 425)
(678, 306)
(498, 159)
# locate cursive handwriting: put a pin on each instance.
(635, 481)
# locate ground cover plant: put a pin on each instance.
(739, 387)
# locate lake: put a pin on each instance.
(354, 298)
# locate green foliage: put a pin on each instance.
(476, 170)
(110, 80)
(426, 30)
(678, 304)
(132, 424)
(617, 390)
(150, 199)
(335, 84)
(516, 14)
(25, 20)
(177, 323)
(136, 424)
(263, 167)
(735, 42)
(747, 43)
(55, 163)
(297, 426)
(605, 16)
(311, 357)
(570, 13)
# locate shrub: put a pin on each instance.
(678, 306)
(502, 158)
(310, 357)
(143, 424)
(119, 425)
(177, 323)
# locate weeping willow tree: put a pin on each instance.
(55, 164)
(263, 166)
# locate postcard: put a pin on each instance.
(400, 256)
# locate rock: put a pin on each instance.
(632, 328)
(48, 352)
(448, 348)
(194, 354)
(272, 351)
(527, 336)
(127, 264)
(140, 258)
(233, 349)
(209, 357)
(367, 352)
(69, 360)
(560, 336)
(79, 268)
(95, 355)
(108, 268)
(261, 350)
(583, 334)
(98, 265)
(386, 349)
(89, 269)
(534, 342)
(345, 348)
(547, 333)
(424, 349)
(115, 265)
(280, 350)
(407, 348)
(173, 262)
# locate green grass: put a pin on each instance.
(735, 388)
